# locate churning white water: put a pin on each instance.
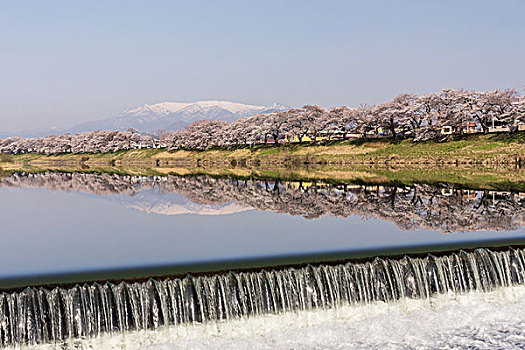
(472, 299)
(476, 320)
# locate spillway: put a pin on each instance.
(43, 315)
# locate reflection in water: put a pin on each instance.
(40, 315)
(443, 208)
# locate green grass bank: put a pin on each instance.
(492, 149)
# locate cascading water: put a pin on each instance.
(39, 315)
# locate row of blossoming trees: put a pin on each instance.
(408, 115)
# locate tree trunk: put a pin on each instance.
(393, 131)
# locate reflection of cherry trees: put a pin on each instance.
(414, 207)
(101, 184)
(407, 115)
(419, 206)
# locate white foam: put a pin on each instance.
(477, 320)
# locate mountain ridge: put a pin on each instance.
(168, 116)
(171, 116)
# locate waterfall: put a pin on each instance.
(41, 315)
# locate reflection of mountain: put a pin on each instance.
(411, 207)
(137, 193)
(151, 201)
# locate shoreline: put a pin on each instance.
(486, 150)
(475, 178)
(493, 162)
(466, 177)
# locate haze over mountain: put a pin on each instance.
(172, 116)
(169, 116)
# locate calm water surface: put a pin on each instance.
(56, 223)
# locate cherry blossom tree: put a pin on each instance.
(202, 134)
(407, 115)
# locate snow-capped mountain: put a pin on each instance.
(174, 116)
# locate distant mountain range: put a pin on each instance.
(172, 116)
(168, 116)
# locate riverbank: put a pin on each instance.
(477, 161)
(468, 177)
(493, 150)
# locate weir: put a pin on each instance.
(43, 315)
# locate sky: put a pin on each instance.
(64, 62)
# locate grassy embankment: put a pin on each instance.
(478, 161)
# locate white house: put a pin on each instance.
(498, 126)
(447, 130)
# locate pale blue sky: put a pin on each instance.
(68, 61)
